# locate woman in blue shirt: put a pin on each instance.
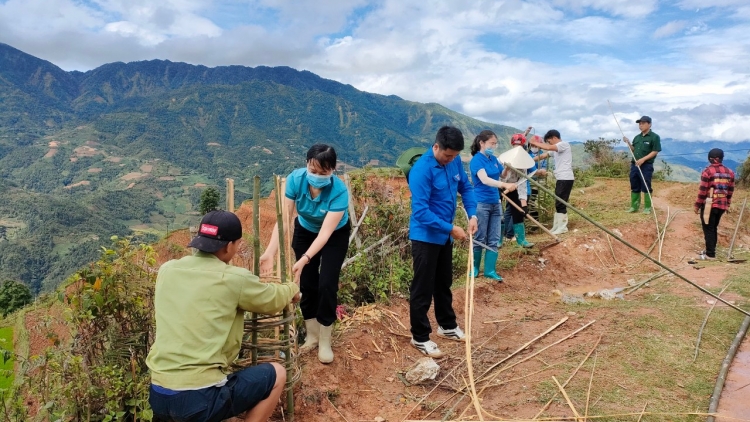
(485, 173)
(320, 243)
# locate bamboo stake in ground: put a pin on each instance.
(468, 312)
(282, 272)
(736, 228)
(624, 242)
(256, 260)
(705, 321)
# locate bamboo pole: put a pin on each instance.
(736, 229)
(624, 242)
(359, 223)
(643, 178)
(540, 225)
(256, 259)
(567, 399)
(283, 274)
(714, 404)
(468, 312)
(570, 378)
(705, 321)
(230, 195)
(447, 375)
(352, 212)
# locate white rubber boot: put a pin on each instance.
(325, 354)
(556, 223)
(312, 327)
(563, 226)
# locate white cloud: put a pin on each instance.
(627, 8)
(669, 29)
(693, 80)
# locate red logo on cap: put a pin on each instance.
(209, 230)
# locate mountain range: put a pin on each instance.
(129, 147)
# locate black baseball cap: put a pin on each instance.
(216, 230)
(644, 119)
(717, 153)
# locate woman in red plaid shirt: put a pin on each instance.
(721, 180)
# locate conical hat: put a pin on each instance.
(407, 159)
(516, 157)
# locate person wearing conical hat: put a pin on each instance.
(518, 197)
(485, 173)
(718, 182)
(561, 152)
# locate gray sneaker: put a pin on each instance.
(428, 348)
(452, 334)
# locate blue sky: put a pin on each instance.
(547, 64)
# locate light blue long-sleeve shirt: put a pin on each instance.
(434, 194)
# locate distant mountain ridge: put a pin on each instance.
(133, 145)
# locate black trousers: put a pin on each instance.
(563, 189)
(433, 277)
(319, 281)
(710, 230)
(515, 214)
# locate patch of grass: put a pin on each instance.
(6, 369)
(647, 353)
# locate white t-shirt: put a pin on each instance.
(563, 161)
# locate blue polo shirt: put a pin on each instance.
(312, 211)
(434, 192)
(485, 193)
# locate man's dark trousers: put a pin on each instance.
(711, 230)
(433, 277)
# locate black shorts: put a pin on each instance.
(243, 391)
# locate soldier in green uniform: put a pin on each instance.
(645, 146)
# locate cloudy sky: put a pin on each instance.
(547, 64)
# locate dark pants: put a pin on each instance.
(243, 391)
(636, 183)
(515, 214)
(319, 281)
(433, 277)
(507, 227)
(563, 189)
(710, 230)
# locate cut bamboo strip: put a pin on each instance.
(570, 378)
(567, 399)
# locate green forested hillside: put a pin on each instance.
(128, 148)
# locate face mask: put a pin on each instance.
(534, 150)
(318, 181)
(489, 151)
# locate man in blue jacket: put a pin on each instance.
(435, 182)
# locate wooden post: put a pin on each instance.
(256, 258)
(283, 273)
(230, 195)
(736, 228)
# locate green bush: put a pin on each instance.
(100, 374)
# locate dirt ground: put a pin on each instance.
(365, 382)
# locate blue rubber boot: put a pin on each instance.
(477, 260)
(520, 231)
(490, 260)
